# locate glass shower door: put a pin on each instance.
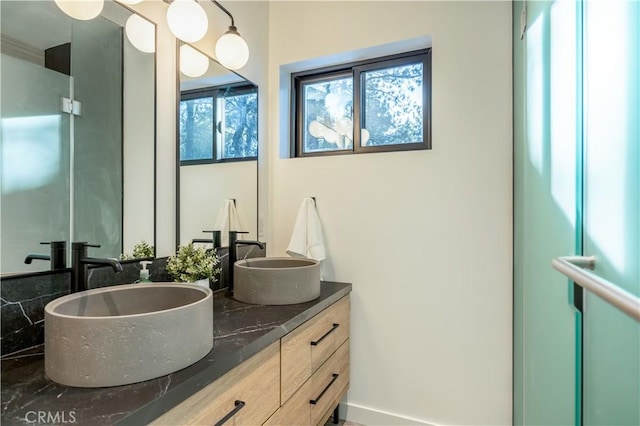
(612, 208)
(547, 326)
(35, 149)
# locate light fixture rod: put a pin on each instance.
(225, 11)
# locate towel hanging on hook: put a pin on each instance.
(306, 239)
(228, 220)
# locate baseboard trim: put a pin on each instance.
(371, 417)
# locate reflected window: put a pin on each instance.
(196, 128)
(381, 104)
(219, 124)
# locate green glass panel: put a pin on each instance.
(612, 208)
(546, 326)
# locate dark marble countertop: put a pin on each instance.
(240, 331)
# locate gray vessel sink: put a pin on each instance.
(126, 334)
(276, 280)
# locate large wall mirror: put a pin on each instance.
(78, 132)
(217, 150)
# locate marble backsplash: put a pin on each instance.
(23, 297)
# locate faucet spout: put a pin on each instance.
(57, 257)
(80, 262)
(115, 265)
(34, 256)
(250, 243)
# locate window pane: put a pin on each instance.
(392, 112)
(196, 129)
(327, 115)
(238, 126)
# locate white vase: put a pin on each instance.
(202, 283)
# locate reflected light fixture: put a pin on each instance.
(141, 33)
(187, 20)
(192, 63)
(81, 9)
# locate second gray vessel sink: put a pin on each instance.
(126, 334)
(276, 280)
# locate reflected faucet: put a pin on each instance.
(233, 253)
(80, 263)
(58, 256)
(215, 239)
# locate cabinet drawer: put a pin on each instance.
(255, 382)
(324, 388)
(306, 348)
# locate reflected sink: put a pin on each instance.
(126, 334)
(276, 280)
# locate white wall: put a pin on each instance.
(166, 89)
(424, 236)
(138, 122)
(205, 187)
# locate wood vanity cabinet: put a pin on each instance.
(298, 380)
(315, 367)
(255, 383)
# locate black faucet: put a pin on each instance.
(80, 262)
(58, 256)
(233, 253)
(215, 239)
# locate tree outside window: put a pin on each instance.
(219, 124)
(377, 105)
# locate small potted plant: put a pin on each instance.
(142, 250)
(194, 265)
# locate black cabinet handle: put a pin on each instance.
(315, 343)
(315, 401)
(239, 405)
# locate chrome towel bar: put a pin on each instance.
(572, 267)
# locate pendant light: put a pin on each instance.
(187, 20)
(83, 10)
(231, 49)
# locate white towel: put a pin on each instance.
(228, 220)
(306, 239)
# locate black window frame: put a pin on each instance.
(215, 93)
(356, 70)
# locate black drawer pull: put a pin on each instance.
(325, 335)
(315, 401)
(239, 405)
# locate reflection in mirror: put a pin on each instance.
(217, 149)
(78, 134)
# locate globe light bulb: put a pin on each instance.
(192, 63)
(187, 20)
(141, 33)
(231, 50)
(129, 1)
(82, 10)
